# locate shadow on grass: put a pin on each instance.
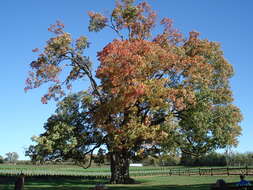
(53, 180)
(166, 187)
(78, 183)
(50, 183)
(190, 187)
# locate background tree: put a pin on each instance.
(210, 159)
(1, 159)
(155, 93)
(240, 159)
(100, 157)
(11, 157)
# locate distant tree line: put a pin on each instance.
(10, 157)
(218, 159)
(210, 159)
(239, 159)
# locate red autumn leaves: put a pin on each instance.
(138, 68)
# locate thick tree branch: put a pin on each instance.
(87, 71)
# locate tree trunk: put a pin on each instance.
(120, 168)
(19, 184)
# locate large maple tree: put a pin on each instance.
(162, 92)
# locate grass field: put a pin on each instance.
(72, 170)
(69, 177)
(143, 183)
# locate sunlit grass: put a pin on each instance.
(72, 170)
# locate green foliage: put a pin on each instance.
(149, 94)
(67, 134)
(97, 22)
(240, 159)
(169, 160)
(218, 159)
(211, 159)
(162, 160)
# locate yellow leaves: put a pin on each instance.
(150, 91)
(58, 45)
(138, 19)
(97, 21)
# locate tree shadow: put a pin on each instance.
(54, 180)
(50, 182)
(64, 181)
(80, 183)
(164, 187)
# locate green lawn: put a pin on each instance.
(143, 183)
(72, 170)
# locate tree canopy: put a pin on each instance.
(164, 92)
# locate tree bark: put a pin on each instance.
(120, 167)
(19, 184)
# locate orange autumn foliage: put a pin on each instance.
(165, 92)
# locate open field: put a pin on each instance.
(69, 177)
(104, 172)
(143, 183)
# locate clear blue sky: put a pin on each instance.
(23, 27)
